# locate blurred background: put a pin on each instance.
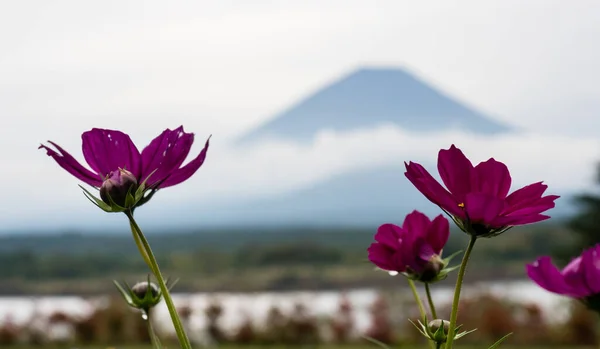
(313, 108)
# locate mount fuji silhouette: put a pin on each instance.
(363, 99)
(369, 97)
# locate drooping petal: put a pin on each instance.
(493, 178)
(590, 263)
(188, 170)
(108, 150)
(431, 189)
(438, 233)
(381, 256)
(71, 165)
(548, 277)
(165, 154)
(456, 172)
(483, 208)
(388, 235)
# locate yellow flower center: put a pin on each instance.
(462, 205)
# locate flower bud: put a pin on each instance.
(439, 330)
(141, 288)
(434, 325)
(143, 295)
(117, 186)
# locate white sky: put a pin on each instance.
(221, 67)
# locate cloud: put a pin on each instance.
(272, 167)
(44, 190)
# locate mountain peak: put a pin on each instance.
(369, 97)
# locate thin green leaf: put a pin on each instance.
(375, 341)
(124, 293)
(499, 341)
(101, 204)
(449, 258)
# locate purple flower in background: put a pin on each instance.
(580, 279)
(413, 249)
(476, 196)
(109, 151)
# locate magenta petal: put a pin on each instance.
(547, 276)
(523, 196)
(438, 233)
(188, 170)
(425, 251)
(493, 178)
(590, 263)
(416, 224)
(573, 275)
(388, 235)
(534, 206)
(503, 221)
(431, 189)
(483, 208)
(68, 162)
(108, 150)
(381, 256)
(165, 154)
(456, 171)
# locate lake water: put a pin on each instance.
(22, 310)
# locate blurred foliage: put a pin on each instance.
(243, 260)
(585, 226)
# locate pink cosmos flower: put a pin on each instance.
(579, 279)
(414, 248)
(109, 151)
(477, 196)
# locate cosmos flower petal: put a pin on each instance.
(68, 162)
(438, 233)
(483, 208)
(382, 257)
(502, 221)
(188, 170)
(493, 178)
(109, 150)
(456, 171)
(431, 189)
(416, 224)
(548, 277)
(165, 154)
(388, 235)
(590, 263)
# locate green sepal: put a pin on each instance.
(439, 336)
(126, 294)
(450, 257)
(98, 202)
(421, 328)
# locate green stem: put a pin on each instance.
(153, 337)
(418, 300)
(183, 339)
(459, 281)
(420, 305)
(430, 300)
(139, 245)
